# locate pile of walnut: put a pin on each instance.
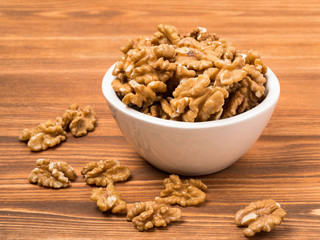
(197, 77)
(50, 134)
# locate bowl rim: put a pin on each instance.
(272, 96)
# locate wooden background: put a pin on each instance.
(53, 53)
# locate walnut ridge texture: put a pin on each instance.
(83, 122)
(78, 121)
(104, 172)
(52, 174)
(46, 135)
(109, 199)
(260, 216)
(68, 116)
(146, 215)
(192, 78)
(50, 133)
(188, 193)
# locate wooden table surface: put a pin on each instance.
(54, 53)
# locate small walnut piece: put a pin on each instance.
(146, 215)
(260, 216)
(110, 199)
(46, 135)
(83, 122)
(52, 174)
(187, 193)
(105, 172)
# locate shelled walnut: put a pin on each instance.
(83, 122)
(146, 215)
(189, 192)
(46, 135)
(49, 133)
(105, 172)
(110, 199)
(52, 174)
(79, 121)
(68, 116)
(192, 78)
(260, 216)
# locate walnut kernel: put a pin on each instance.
(105, 172)
(46, 135)
(52, 174)
(83, 122)
(68, 116)
(189, 192)
(146, 215)
(260, 216)
(110, 199)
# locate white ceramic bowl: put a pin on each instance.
(192, 148)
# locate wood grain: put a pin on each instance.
(53, 53)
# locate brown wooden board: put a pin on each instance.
(54, 53)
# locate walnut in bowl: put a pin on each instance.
(195, 111)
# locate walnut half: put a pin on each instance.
(104, 172)
(52, 174)
(260, 216)
(45, 135)
(83, 122)
(189, 192)
(146, 215)
(109, 199)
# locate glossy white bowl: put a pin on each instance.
(192, 148)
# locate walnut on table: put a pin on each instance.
(46, 135)
(83, 122)
(50, 134)
(110, 199)
(68, 116)
(105, 172)
(187, 193)
(260, 216)
(52, 174)
(146, 215)
(79, 121)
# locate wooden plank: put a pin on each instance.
(54, 53)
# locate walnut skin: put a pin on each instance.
(187, 193)
(260, 216)
(146, 215)
(105, 172)
(46, 135)
(52, 174)
(110, 199)
(198, 77)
